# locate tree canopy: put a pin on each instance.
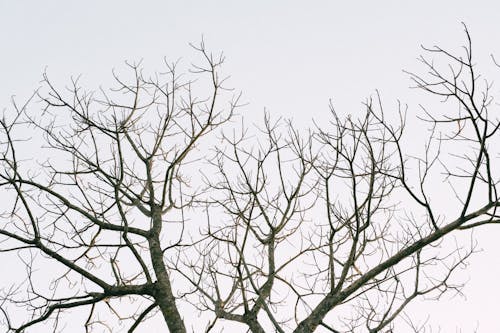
(154, 199)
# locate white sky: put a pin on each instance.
(289, 57)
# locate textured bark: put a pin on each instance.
(254, 325)
(163, 289)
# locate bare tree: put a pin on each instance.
(100, 207)
(333, 229)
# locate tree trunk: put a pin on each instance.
(163, 289)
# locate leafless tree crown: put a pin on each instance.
(126, 211)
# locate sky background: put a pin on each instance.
(288, 57)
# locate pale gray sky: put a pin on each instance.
(289, 57)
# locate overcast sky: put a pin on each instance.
(289, 57)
